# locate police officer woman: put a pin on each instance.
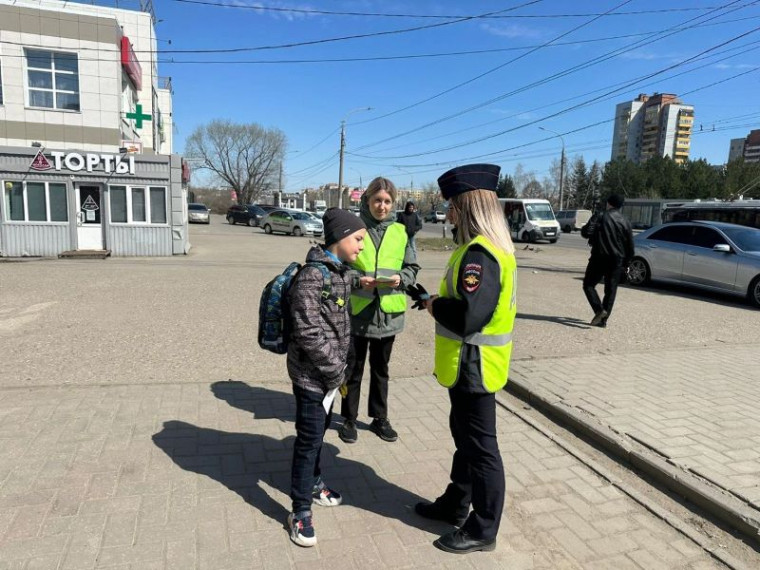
(384, 270)
(474, 314)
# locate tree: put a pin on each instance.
(741, 178)
(577, 183)
(432, 197)
(245, 157)
(506, 187)
(533, 189)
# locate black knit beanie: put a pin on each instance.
(339, 224)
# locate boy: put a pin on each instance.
(318, 354)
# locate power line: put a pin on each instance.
(309, 11)
(606, 96)
(594, 61)
(492, 70)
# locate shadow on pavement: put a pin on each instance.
(241, 461)
(567, 321)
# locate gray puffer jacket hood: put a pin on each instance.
(372, 322)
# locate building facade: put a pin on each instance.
(747, 148)
(86, 133)
(652, 125)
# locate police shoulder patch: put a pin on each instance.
(472, 276)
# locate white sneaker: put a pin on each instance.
(326, 497)
(302, 530)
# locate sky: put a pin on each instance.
(450, 82)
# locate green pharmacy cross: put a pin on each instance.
(139, 116)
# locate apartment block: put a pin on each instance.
(652, 125)
(747, 148)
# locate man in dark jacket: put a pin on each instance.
(611, 240)
(412, 223)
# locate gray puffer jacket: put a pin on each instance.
(320, 339)
(372, 322)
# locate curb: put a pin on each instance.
(712, 499)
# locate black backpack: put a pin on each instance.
(274, 316)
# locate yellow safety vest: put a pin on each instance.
(495, 339)
(383, 262)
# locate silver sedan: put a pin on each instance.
(292, 222)
(709, 255)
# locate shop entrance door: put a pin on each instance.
(89, 225)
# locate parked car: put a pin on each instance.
(435, 216)
(708, 255)
(249, 214)
(197, 212)
(292, 222)
(573, 220)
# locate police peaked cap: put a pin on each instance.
(469, 177)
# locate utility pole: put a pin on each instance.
(340, 170)
(561, 165)
(279, 194)
(342, 148)
(562, 175)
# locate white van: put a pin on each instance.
(530, 219)
(572, 220)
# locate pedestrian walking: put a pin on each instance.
(412, 222)
(383, 271)
(474, 314)
(611, 239)
(318, 352)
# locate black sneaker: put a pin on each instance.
(347, 432)
(382, 427)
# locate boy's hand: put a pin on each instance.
(367, 283)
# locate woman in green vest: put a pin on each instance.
(384, 269)
(474, 313)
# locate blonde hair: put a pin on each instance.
(381, 184)
(479, 213)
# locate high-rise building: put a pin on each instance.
(747, 148)
(652, 125)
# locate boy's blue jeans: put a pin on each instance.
(311, 424)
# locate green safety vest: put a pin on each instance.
(495, 339)
(383, 262)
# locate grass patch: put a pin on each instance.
(435, 244)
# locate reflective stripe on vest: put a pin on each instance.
(386, 261)
(494, 340)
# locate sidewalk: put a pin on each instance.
(196, 476)
(694, 409)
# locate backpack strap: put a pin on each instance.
(327, 293)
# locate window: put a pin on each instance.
(137, 205)
(35, 202)
(676, 234)
(707, 237)
(52, 79)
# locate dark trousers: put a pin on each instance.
(311, 424)
(607, 267)
(379, 355)
(477, 472)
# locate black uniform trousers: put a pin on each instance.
(379, 356)
(610, 268)
(477, 472)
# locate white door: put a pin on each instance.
(89, 224)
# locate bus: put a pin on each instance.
(530, 219)
(740, 212)
(644, 213)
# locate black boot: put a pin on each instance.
(459, 542)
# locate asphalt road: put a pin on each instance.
(193, 317)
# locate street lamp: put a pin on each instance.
(561, 164)
(342, 147)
